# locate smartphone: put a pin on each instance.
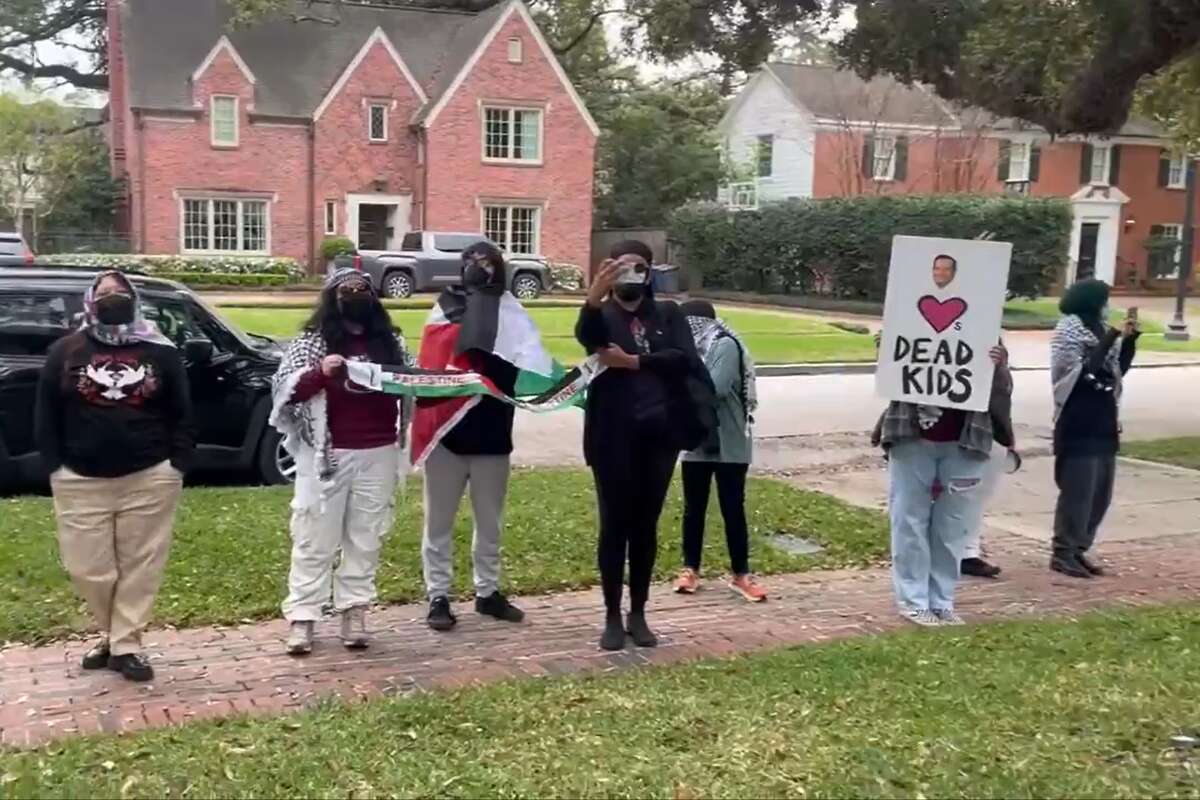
(1132, 313)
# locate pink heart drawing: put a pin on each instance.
(941, 314)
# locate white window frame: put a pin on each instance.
(508, 225)
(516, 50)
(331, 209)
(1104, 150)
(384, 108)
(1025, 162)
(888, 140)
(211, 224)
(212, 115)
(1175, 230)
(1180, 163)
(743, 196)
(764, 141)
(512, 112)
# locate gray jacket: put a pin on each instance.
(733, 431)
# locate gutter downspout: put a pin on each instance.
(140, 125)
(423, 174)
(312, 200)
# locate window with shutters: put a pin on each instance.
(1018, 162)
(1165, 250)
(512, 134)
(224, 113)
(515, 229)
(218, 225)
(765, 154)
(1098, 173)
(883, 164)
(1177, 172)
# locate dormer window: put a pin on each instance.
(516, 50)
(377, 122)
(224, 113)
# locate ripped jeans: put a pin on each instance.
(928, 538)
(358, 510)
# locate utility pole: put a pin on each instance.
(1177, 329)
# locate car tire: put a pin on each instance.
(398, 284)
(276, 466)
(526, 286)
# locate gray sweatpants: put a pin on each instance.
(1085, 488)
(446, 478)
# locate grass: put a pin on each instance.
(1050, 709)
(229, 559)
(1183, 451)
(773, 337)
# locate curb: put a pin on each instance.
(851, 368)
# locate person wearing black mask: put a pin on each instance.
(653, 400)
(114, 427)
(348, 449)
(475, 451)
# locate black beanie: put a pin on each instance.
(1085, 298)
(632, 247)
(698, 308)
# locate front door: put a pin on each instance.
(373, 230)
(1089, 235)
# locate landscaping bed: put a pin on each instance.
(1182, 451)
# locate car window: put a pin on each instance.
(214, 331)
(173, 319)
(411, 242)
(454, 243)
(11, 247)
(30, 323)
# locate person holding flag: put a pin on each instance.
(477, 327)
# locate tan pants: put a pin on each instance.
(114, 535)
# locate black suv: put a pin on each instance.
(229, 370)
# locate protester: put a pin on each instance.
(347, 445)
(114, 427)
(725, 456)
(653, 400)
(1088, 360)
(474, 448)
(929, 446)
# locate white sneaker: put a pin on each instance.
(948, 617)
(300, 638)
(354, 628)
(922, 616)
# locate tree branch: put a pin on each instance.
(84, 80)
(585, 31)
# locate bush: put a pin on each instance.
(566, 277)
(336, 246)
(224, 278)
(841, 247)
(289, 268)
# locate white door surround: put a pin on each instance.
(1099, 205)
(398, 216)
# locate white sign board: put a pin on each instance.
(941, 316)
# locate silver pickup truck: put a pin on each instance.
(432, 260)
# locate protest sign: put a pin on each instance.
(941, 316)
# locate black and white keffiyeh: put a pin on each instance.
(706, 331)
(1069, 352)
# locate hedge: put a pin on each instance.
(223, 279)
(841, 246)
(289, 268)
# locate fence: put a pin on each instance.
(69, 242)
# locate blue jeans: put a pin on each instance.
(928, 535)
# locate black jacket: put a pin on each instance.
(1088, 425)
(486, 430)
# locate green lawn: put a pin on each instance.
(1183, 451)
(229, 559)
(1086, 708)
(773, 337)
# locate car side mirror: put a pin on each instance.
(198, 351)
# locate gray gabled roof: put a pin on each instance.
(295, 64)
(837, 94)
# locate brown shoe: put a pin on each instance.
(688, 581)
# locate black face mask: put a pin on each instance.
(475, 277)
(630, 292)
(357, 307)
(115, 309)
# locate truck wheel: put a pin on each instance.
(526, 286)
(276, 466)
(398, 283)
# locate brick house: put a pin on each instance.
(266, 140)
(809, 131)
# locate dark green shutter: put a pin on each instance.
(1035, 162)
(1005, 157)
(1164, 168)
(1085, 165)
(1114, 164)
(1154, 261)
(868, 165)
(901, 171)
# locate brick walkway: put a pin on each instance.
(206, 673)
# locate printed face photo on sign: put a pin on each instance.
(944, 270)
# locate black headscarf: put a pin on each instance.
(1085, 299)
(636, 248)
(698, 308)
(481, 298)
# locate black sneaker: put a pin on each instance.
(635, 623)
(1090, 566)
(613, 637)
(979, 568)
(97, 657)
(1069, 565)
(497, 605)
(133, 666)
(441, 618)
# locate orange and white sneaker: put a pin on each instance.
(748, 587)
(688, 581)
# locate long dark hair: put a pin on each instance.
(328, 321)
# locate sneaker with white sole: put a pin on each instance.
(921, 616)
(947, 616)
(354, 628)
(300, 638)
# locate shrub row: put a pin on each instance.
(207, 279)
(289, 268)
(840, 247)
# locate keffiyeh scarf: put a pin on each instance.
(1069, 351)
(706, 332)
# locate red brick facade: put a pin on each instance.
(299, 164)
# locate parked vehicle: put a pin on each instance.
(432, 260)
(229, 370)
(14, 251)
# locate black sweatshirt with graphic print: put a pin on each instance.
(106, 411)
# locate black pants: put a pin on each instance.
(1085, 487)
(731, 494)
(630, 494)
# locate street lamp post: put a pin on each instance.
(1177, 329)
